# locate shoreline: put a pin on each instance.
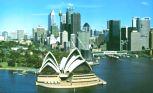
(19, 68)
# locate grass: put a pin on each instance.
(4, 64)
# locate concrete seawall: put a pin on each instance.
(77, 81)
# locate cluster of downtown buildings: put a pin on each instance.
(137, 37)
(18, 35)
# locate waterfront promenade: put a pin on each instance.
(77, 81)
(26, 69)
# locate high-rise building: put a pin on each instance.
(124, 33)
(69, 11)
(65, 43)
(13, 35)
(20, 34)
(106, 35)
(135, 41)
(5, 35)
(63, 22)
(83, 40)
(114, 35)
(134, 22)
(75, 23)
(124, 38)
(96, 32)
(151, 39)
(51, 22)
(39, 34)
(25, 37)
(100, 40)
(73, 41)
(144, 30)
(54, 31)
(142, 25)
(86, 28)
(64, 36)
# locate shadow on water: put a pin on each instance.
(93, 89)
(126, 75)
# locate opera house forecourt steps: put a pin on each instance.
(72, 72)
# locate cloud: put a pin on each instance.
(65, 5)
(90, 6)
(40, 14)
(145, 3)
(56, 6)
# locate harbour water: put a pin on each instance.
(123, 75)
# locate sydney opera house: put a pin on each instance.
(72, 72)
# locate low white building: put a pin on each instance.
(1, 38)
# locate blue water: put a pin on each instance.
(126, 75)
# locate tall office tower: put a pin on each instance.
(114, 35)
(135, 41)
(52, 27)
(65, 40)
(124, 38)
(75, 23)
(96, 33)
(83, 40)
(69, 11)
(151, 39)
(63, 22)
(64, 36)
(20, 34)
(54, 31)
(124, 33)
(142, 25)
(25, 37)
(106, 35)
(144, 29)
(39, 34)
(5, 35)
(73, 41)
(86, 28)
(134, 22)
(13, 35)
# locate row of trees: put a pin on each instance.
(32, 57)
(20, 57)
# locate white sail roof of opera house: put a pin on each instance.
(67, 65)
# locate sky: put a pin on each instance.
(27, 14)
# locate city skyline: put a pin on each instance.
(26, 14)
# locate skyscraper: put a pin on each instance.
(75, 23)
(39, 34)
(124, 38)
(5, 35)
(13, 35)
(63, 22)
(73, 41)
(86, 28)
(134, 22)
(20, 34)
(52, 27)
(144, 30)
(135, 41)
(69, 11)
(114, 35)
(83, 40)
(142, 25)
(151, 39)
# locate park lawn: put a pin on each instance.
(4, 64)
